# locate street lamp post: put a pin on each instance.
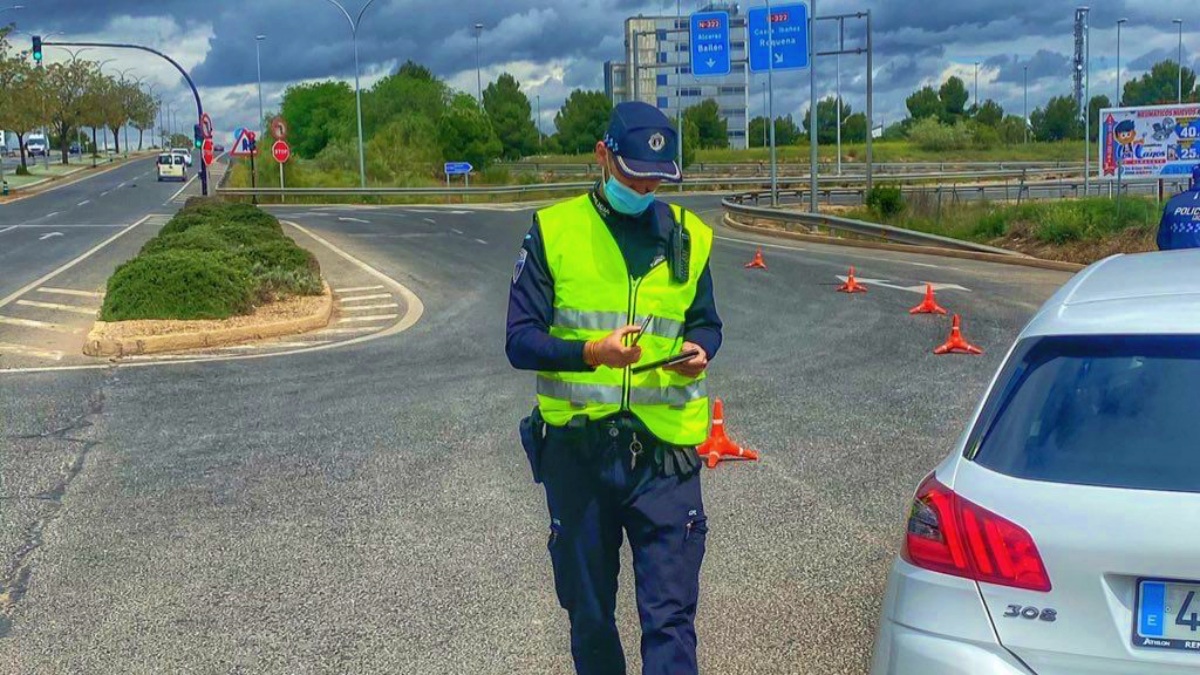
(1179, 62)
(1120, 22)
(478, 76)
(125, 123)
(354, 24)
(539, 121)
(976, 87)
(1026, 108)
(1087, 103)
(258, 58)
(841, 48)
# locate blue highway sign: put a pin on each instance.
(710, 44)
(458, 168)
(788, 32)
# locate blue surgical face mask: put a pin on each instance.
(625, 199)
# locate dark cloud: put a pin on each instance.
(1147, 60)
(1043, 64)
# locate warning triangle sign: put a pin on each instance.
(244, 146)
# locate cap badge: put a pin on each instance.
(657, 142)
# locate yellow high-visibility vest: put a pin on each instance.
(594, 295)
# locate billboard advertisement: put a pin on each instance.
(1161, 141)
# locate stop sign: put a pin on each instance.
(208, 152)
(281, 151)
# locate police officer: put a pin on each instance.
(615, 449)
(1180, 225)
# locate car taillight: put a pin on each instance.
(951, 535)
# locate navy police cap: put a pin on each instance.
(643, 141)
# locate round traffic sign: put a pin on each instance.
(206, 127)
(281, 151)
(278, 128)
(208, 152)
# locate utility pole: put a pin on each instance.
(771, 103)
(258, 58)
(977, 87)
(539, 121)
(1087, 104)
(478, 75)
(1179, 62)
(841, 47)
(812, 96)
(354, 25)
(1026, 109)
(1117, 100)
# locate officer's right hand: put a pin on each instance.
(612, 352)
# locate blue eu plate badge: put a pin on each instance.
(520, 265)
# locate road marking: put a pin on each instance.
(22, 291)
(61, 308)
(456, 231)
(50, 215)
(481, 242)
(276, 345)
(70, 291)
(346, 331)
(373, 317)
(377, 296)
(353, 220)
(83, 203)
(357, 289)
(11, 227)
(430, 220)
(30, 351)
(920, 290)
(364, 308)
(120, 185)
(104, 194)
(180, 190)
(44, 325)
(50, 235)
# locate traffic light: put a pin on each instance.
(198, 136)
(37, 48)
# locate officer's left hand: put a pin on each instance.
(696, 366)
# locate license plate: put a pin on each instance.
(1168, 615)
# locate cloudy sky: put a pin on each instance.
(554, 46)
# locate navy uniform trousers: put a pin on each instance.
(596, 492)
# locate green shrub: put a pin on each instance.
(277, 282)
(886, 201)
(201, 238)
(184, 221)
(931, 135)
(179, 284)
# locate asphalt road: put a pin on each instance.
(83, 214)
(368, 509)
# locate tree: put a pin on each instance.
(714, 131)
(827, 112)
(1058, 121)
(990, 114)
(142, 113)
(23, 100)
(786, 132)
(691, 142)
(924, 103)
(412, 89)
(758, 133)
(92, 114)
(465, 134)
(510, 112)
(854, 129)
(66, 86)
(1097, 104)
(405, 150)
(1161, 85)
(1011, 129)
(318, 114)
(582, 121)
(953, 96)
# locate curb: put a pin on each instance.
(1021, 261)
(220, 337)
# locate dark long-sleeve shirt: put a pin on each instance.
(1180, 225)
(641, 239)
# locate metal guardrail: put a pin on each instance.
(860, 228)
(442, 191)
(825, 168)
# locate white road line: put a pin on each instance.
(6, 347)
(11, 227)
(481, 242)
(51, 214)
(43, 325)
(456, 231)
(347, 331)
(61, 308)
(120, 185)
(357, 289)
(861, 256)
(22, 291)
(364, 308)
(275, 345)
(430, 220)
(180, 190)
(83, 203)
(353, 220)
(374, 317)
(377, 296)
(104, 194)
(70, 291)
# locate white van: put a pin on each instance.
(36, 145)
(171, 167)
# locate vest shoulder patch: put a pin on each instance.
(520, 267)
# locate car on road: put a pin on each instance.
(185, 153)
(1059, 535)
(36, 145)
(171, 166)
(76, 149)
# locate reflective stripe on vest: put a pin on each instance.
(594, 296)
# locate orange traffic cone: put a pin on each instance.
(852, 285)
(929, 306)
(718, 446)
(956, 343)
(758, 263)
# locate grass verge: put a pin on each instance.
(213, 260)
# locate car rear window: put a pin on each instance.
(1116, 411)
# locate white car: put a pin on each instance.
(36, 145)
(1062, 534)
(187, 155)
